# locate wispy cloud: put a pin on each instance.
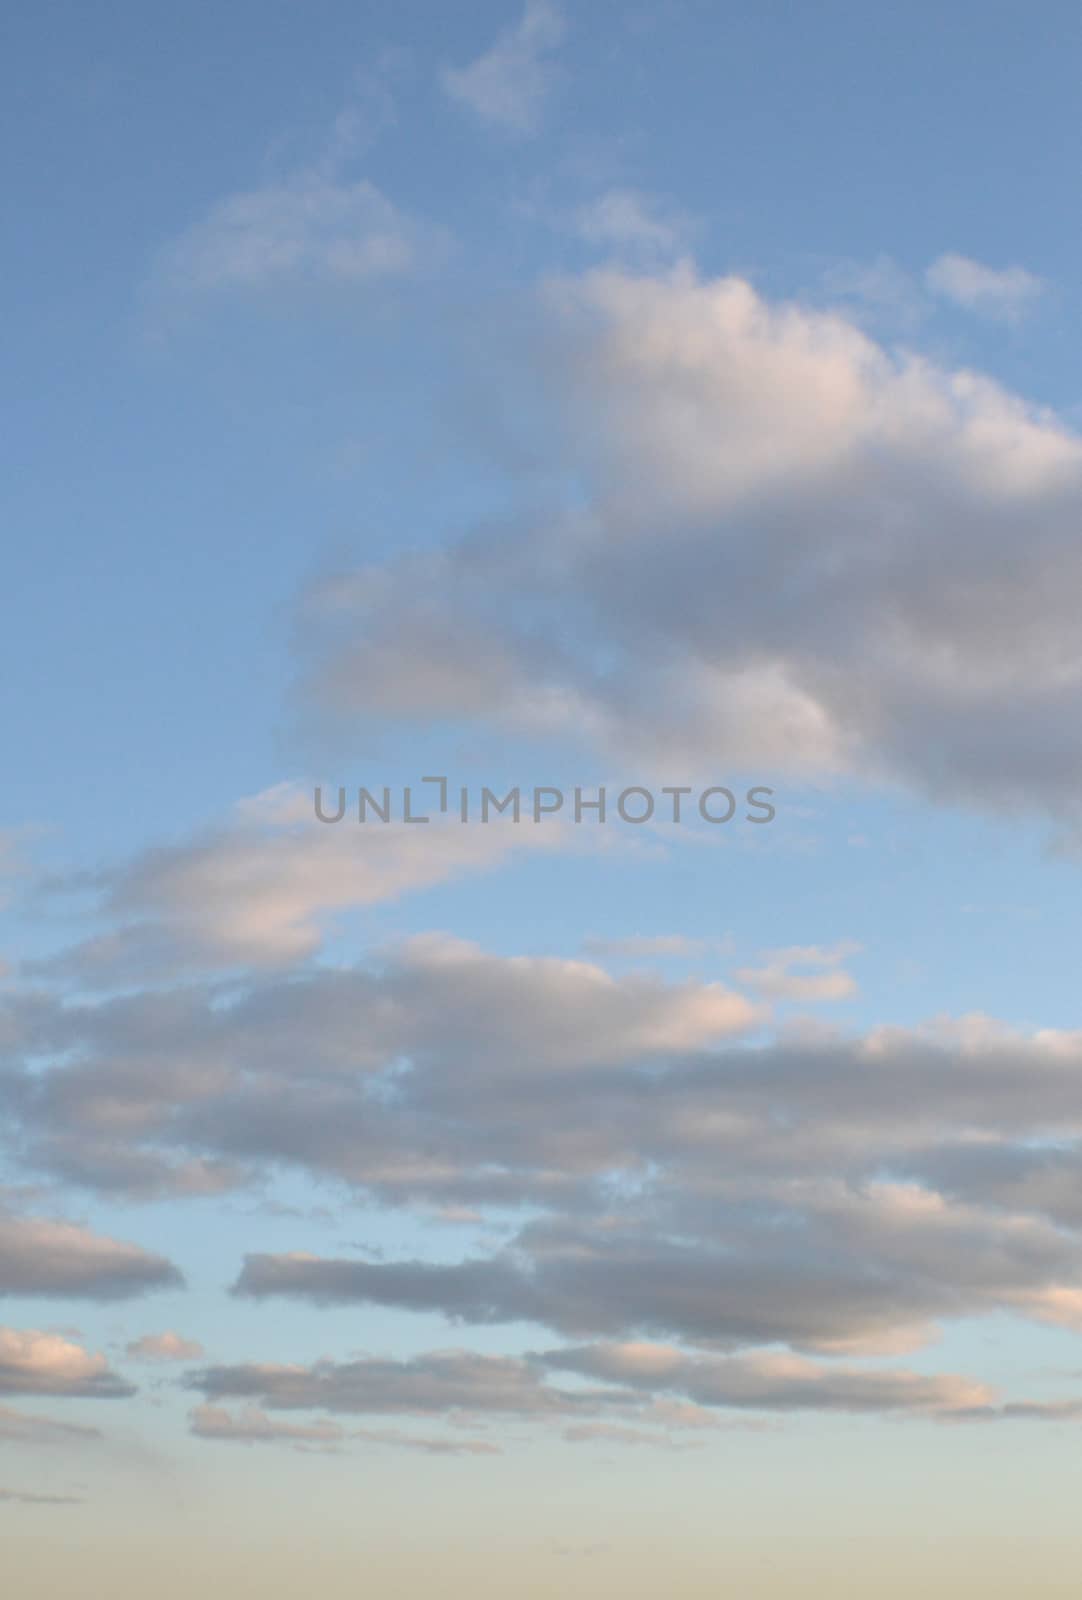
(310, 227)
(508, 86)
(26, 1427)
(322, 222)
(645, 947)
(263, 888)
(253, 1425)
(25, 1497)
(1005, 294)
(782, 976)
(628, 222)
(165, 1347)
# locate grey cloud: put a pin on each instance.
(770, 1382)
(43, 1257)
(108, 1167)
(433, 1384)
(646, 1385)
(1028, 1178)
(25, 1497)
(475, 1291)
(830, 1191)
(1022, 1411)
(819, 1267)
(34, 1362)
(215, 1069)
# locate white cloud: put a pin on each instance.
(263, 890)
(312, 227)
(801, 554)
(777, 979)
(509, 84)
(625, 220)
(322, 222)
(878, 292)
(1003, 293)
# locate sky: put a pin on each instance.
(676, 403)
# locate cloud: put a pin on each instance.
(645, 947)
(41, 1257)
(654, 1387)
(436, 1383)
(1022, 1411)
(165, 1347)
(679, 1172)
(794, 551)
(46, 1363)
(475, 1291)
(771, 1382)
(630, 222)
(426, 1445)
(816, 1265)
(1005, 294)
(175, 1077)
(26, 1427)
(12, 865)
(251, 1425)
(508, 86)
(322, 223)
(23, 1497)
(777, 980)
(877, 293)
(312, 228)
(263, 890)
(620, 1433)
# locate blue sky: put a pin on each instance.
(596, 394)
